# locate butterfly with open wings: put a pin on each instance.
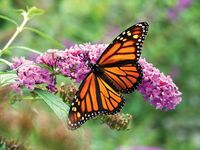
(116, 71)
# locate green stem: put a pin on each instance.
(26, 49)
(18, 30)
(5, 61)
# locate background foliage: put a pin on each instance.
(172, 45)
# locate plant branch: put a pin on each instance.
(18, 30)
(5, 61)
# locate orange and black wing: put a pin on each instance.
(126, 47)
(120, 59)
(125, 77)
(94, 97)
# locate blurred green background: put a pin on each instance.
(172, 45)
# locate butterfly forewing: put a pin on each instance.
(125, 77)
(126, 47)
(120, 59)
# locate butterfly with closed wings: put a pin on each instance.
(116, 71)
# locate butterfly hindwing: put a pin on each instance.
(111, 100)
(125, 77)
(94, 97)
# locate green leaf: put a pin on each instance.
(7, 78)
(9, 19)
(45, 36)
(3, 146)
(55, 103)
(26, 48)
(5, 61)
(34, 11)
(8, 72)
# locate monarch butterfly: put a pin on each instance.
(116, 71)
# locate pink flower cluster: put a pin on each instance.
(158, 89)
(29, 74)
(49, 58)
(73, 61)
(19, 61)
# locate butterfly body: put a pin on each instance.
(95, 68)
(116, 71)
